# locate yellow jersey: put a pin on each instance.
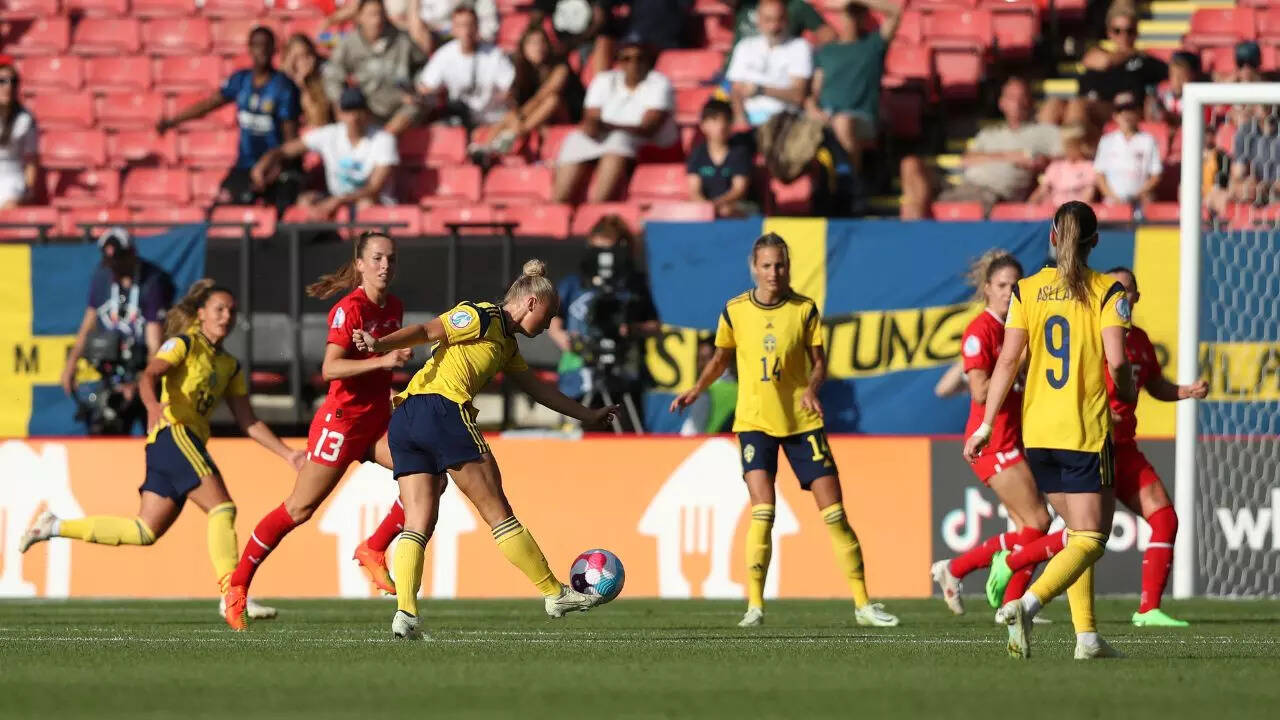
(1065, 403)
(772, 343)
(201, 374)
(478, 345)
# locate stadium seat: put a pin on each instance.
(1161, 212)
(689, 68)
(183, 73)
(957, 211)
(298, 214)
(958, 29)
(141, 147)
(910, 28)
(517, 185)
(689, 102)
(171, 216)
(205, 185)
(681, 212)
(73, 110)
(1113, 212)
(510, 27)
(309, 26)
(652, 183)
(1021, 211)
(1218, 59)
(128, 111)
(30, 216)
(97, 217)
(178, 36)
(28, 9)
(549, 220)
(263, 220)
(148, 9)
(408, 217)
(434, 187)
(43, 36)
(107, 36)
(718, 31)
(794, 198)
(552, 138)
(297, 8)
(1268, 23)
(905, 62)
(231, 37)
(96, 8)
(434, 220)
(223, 117)
(151, 187)
(1211, 27)
(1015, 28)
(435, 146)
(209, 148)
(126, 73)
(51, 74)
(233, 8)
(959, 73)
(72, 149)
(589, 214)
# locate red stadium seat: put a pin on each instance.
(72, 149)
(408, 217)
(1161, 212)
(28, 9)
(1268, 23)
(51, 74)
(689, 102)
(62, 111)
(911, 28)
(795, 198)
(126, 73)
(1220, 59)
(233, 8)
(43, 36)
(209, 148)
(552, 138)
(935, 5)
(1021, 211)
(297, 8)
(959, 73)
(171, 216)
(517, 185)
(31, 216)
(1015, 27)
(651, 183)
(689, 68)
(148, 9)
(309, 26)
(958, 29)
(681, 212)
(539, 220)
(129, 111)
(589, 214)
(1212, 27)
(96, 8)
(434, 220)
(205, 185)
(223, 117)
(297, 214)
(957, 211)
(178, 36)
(107, 36)
(436, 146)
(82, 188)
(263, 220)
(97, 217)
(718, 31)
(907, 62)
(510, 28)
(151, 187)
(141, 147)
(231, 37)
(182, 73)
(1113, 212)
(434, 187)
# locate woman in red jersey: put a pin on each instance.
(1002, 467)
(353, 419)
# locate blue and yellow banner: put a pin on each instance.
(43, 295)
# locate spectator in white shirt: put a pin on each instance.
(428, 22)
(18, 144)
(1128, 159)
(358, 158)
(624, 110)
(474, 77)
(770, 72)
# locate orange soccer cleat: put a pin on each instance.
(235, 610)
(374, 564)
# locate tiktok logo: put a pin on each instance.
(962, 528)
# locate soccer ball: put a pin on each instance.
(597, 572)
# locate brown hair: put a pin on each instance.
(613, 227)
(346, 277)
(532, 281)
(13, 110)
(182, 316)
(528, 78)
(1076, 228)
(991, 262)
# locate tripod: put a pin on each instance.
(599, 387)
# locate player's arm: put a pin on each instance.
(714, 369)
(242, 411)
(549, 397)
(337, 365)
(1118, 363)
(431, 331)
(1002, 379)
(77, 350)
(952, 381)
(147, 382)
(980, 384)
(1165, 391)
(817, 376)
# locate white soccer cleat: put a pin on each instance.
(1012, 615)
(1099, 650)
(874, 615)
(1037, 620)
(254, 610)
(949, 584)
(570, 600)
(42, 530)
(405, 626)
(753, 618)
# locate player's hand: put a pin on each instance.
(1115, 416)
(364, 342)
(397, 358)
(683, 400)
(155, 416)
(974, 445)
(69, 380)
(603, 416)
(327, 207)
(297, 458)
(258, 177)
(1198, 390)
(810, 401)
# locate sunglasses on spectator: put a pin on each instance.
(6, 80)
(1124, 30)
(630, 56)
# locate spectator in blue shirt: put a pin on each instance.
(267, 111)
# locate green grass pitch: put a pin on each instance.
(634, 658)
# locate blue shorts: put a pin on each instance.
(431, 433)
(808, 453)
(1073, 471)
(176, 461)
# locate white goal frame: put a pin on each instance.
(1195, 96)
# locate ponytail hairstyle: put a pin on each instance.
(181, 317)
(991, 262)
(345, 278)
(532, 281)
(771, 240)
(1075, 228)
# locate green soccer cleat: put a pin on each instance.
(998, 578)
(1155, 617)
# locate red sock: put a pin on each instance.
(980, 555)
(1036, 552)
(387, 531)
(1022, 578)
(1158, 557)
(270, 530)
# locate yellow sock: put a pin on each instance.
(1080, 596)
(759, 549)
(406, 569)
(107, 530)
(848, 551)
(1083, 549)
(221, 537)
(522, 551)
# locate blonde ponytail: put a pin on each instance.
(181, 317)
(532, 281)
(1076, 228)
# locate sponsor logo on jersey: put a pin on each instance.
(972, 346)
(339, 318)
(1123, 310)
(460, 319)
(169, 345)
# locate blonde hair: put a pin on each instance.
(181, 317)
(532, 281)
(346, 277)
(1076, 227)
(988, 264)
(769, 240)
(1122, 9)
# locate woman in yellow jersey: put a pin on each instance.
(776, 335)
(195, 373)
(1072, 322)
(433, 430)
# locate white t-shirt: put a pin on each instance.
(22, 147)
(1127, 163)
(481, 80)
(346, 167)
(438, 15)
(773, 66)
(620, 105)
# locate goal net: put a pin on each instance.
(1228, 446)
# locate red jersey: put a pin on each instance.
(1142, 357)
(357, 312)
(980, 348)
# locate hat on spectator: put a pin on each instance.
(117, 236)
(633, 39)
(1126, 101)
(352, 98)
(1248, 54)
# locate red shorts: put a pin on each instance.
(991, 462)
(1133, 470)
(339, 438)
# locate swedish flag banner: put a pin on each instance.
(43, 295)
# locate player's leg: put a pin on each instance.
(759, 470)
(1016, 488)
(155, 514)
(372, 553)
(417, 493)
(212, 497)
(1138, 486)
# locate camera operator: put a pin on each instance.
(606, 311)
(123, 326)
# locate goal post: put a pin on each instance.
(1227, 452)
